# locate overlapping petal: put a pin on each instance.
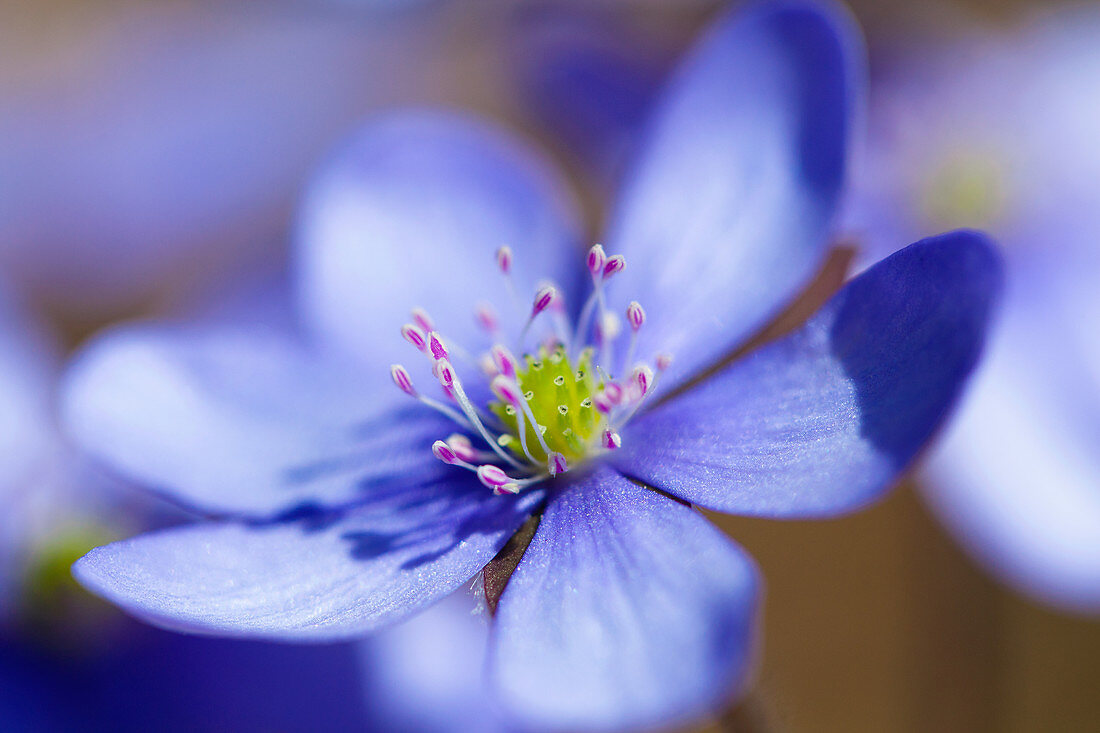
(317, 578)
(823, 421)
(627, 610)
(410, 214)
(245, 421)
(429, 673)
(728, 213)
(1016, 476)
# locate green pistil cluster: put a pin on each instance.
(559, 393)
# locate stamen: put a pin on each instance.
(492, 476)
(611, 440)
(543, 298)
(504, 361)
(664, 361)
(461, 446)
(422, 319)
(404, 383)
(546, 295)
(635, 316)
(402, 380)
(603, 402)
(556, 464)
(487, 318)
(415, 337)
(439, 351)
(504, 260)
(614, 392)
(596, 259)
(507, 391)
(443, 452)
(614, 265)
(447, 377)
(642, 378)
(444, 372)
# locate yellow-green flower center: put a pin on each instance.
(559, 391)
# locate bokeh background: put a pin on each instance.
(153, 151)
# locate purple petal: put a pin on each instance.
(728, 213)
(627, 610)
(249, 422)
(410, 214)
(428, 674)
(823, 421)
(318, 578)
(1016, 477)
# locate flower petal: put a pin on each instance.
(428, 673)
(410, 214)
(1016, 476)
(627, 610)
(318, 578)
(823, 421)
(235, 421)
(729, 211)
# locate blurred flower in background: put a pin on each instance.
(1000, 128)
(143, 145)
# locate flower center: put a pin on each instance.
(560, 405)
(559, 392)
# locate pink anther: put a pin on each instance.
(642, 378)
(402, 380)
(422, 319)
(415, 337)
(492, 476)
(443, 452)
(556, 464)
(544, 298)
(439, 351)
(506, 390)
(614, 264)
(505, 362)
(596, 259)
(504, 259)
(445, 373)
(611, 440)
(461, 446)
(487, 318)
(635, 316)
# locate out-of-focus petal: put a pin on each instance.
(146, 145)
(428, 673)
(589, 81)
(245, 421)
(410, 214)
(729, 212)
(823, 421)
(1017, 475)
(628, 610)
(318, 578)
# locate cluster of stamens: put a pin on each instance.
(554, 408)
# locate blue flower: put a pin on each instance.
(999, 129)
(626, 608)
